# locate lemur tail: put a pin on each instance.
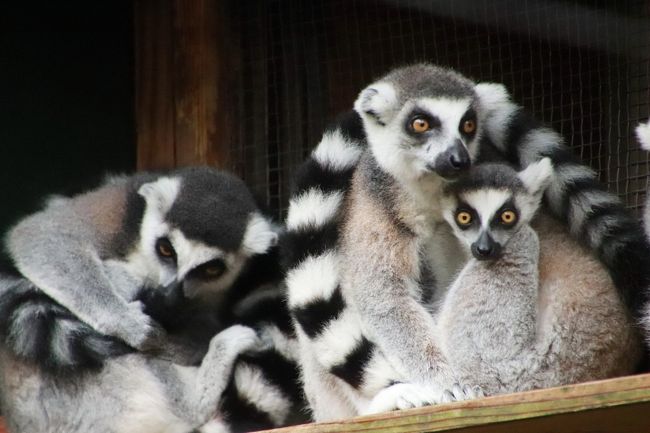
(40, 331)
(594, 216)
(315, 211)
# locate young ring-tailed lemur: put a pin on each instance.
(532, 308)
(369, 250)
(179, 243)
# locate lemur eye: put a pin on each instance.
(508, 217)
(420, 124)
(464, 218)
(214, 268)
(469, 126)
(165, 249)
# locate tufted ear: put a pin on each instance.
(643, 135)
(537, 177)
(161, 193)
(377, 102)
(492, 94)
(260, 235)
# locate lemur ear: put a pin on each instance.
(643, 135)
(537, 177)
(260, 235)
(377, 102)
(161, 193)
(492, 95)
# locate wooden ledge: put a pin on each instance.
(612, 406)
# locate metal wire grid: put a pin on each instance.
(582, 67)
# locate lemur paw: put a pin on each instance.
(407, 396)
(237, 339)
(137, 329)
(460, 393)
(402, 396)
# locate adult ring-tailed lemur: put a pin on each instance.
(110, 326)
(371, 256)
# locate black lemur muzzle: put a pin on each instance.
(452, 162)
(486, 248)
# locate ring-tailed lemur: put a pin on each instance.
(176, 246)
(368, 248)
(532, 308)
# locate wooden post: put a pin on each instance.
(184, 95)
(154, 84)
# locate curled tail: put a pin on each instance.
(40, 331)
(594, 216)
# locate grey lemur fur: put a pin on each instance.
(532, 308)
(370, 255)
(170, 247)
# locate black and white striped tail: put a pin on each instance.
(310, 251)
(43, 333)
(264, 390)
(594, 216)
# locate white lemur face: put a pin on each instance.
(423, 126)
(168, 252)
(488, 205)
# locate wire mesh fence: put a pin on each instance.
(582, 67)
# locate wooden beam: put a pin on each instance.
(614, 406)
(154, 85)
(186, 54)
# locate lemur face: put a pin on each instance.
(485, 219)
(488, 205)
(195, 248)
(425, 120)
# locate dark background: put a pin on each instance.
(67, 80)
(66, 99)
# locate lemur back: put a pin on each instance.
(532, 308)
(350, 170)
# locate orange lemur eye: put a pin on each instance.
(420, 124)
(469, 126)
(165, 248)
(508, 217)
(464, 218)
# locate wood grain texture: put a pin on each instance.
(186, 63)
(154, 84)
(615, 406)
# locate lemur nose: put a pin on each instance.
(458, 162)
(485, 248)
(459, 158)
